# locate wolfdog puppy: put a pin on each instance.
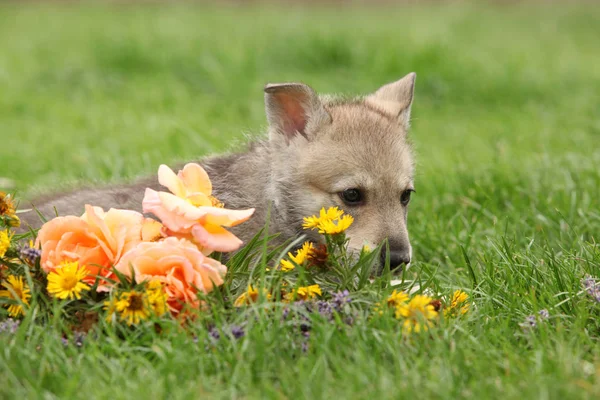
(319, 152)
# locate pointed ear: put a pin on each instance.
(292, 109)
(396, 97)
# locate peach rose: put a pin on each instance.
(179, 265)
(97, 240)
(191, 212)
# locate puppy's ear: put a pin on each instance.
(396, 98)
(293, 109)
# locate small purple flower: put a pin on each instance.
(64, 341)
(214, 333)
(285, 313)
(340, 299)
(304, 346)
(237, 331)
(349, 320)
(30, 255)
(325, 309)
(529, 323)
(592, 287)
(544, 314)
(305, 327)
(10, 326)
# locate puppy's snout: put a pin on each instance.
(398, 258)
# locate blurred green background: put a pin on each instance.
(506, 128)
(108, 92)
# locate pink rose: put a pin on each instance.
(179, 265)
(191, 212)
(96, 240)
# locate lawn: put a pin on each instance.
(506, 127)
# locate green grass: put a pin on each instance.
(506, 129)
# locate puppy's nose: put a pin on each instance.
(398, 258)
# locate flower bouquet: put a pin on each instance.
(123, 268)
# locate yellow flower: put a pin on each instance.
(8, 209)
(397, 298)
(366, 248)
(305, 293)
(299, 258)
(65, 281)
(16, 289)
(332, 213)
(333, 227)
(5, 238)
(417, 314)
(250, 296)
(458, 304)
(157, 297)
(132, 307)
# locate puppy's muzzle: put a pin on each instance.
(398, 259)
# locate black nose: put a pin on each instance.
(398, 258)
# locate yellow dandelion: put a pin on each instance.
(15, 289)
(397, 298)
(417, 314)
(157, 297)
(8, 209)
(132, 307)
(310, 222)
(305, 293)
(5, 238)
(250, 296)
(65, 282)
(458, 304)
(299, 258)
(332, 213)
(333, 227)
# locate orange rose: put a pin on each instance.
(179, 265)
(96, 240)
(191, 211)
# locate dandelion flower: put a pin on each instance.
(458, 304)
(132, 307)
(299, 258)
(417, 314)
(7, 207)
(332, 213)
(15, 289)
(397, 298)
(333, 227)
(5, 238)
(8, 210)
(318, 256)
(65, 282)
(305, 293)
(157, 297)
(250, 296)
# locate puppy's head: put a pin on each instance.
(353, 154)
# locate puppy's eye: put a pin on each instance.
(351, 197)
(405, 197)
